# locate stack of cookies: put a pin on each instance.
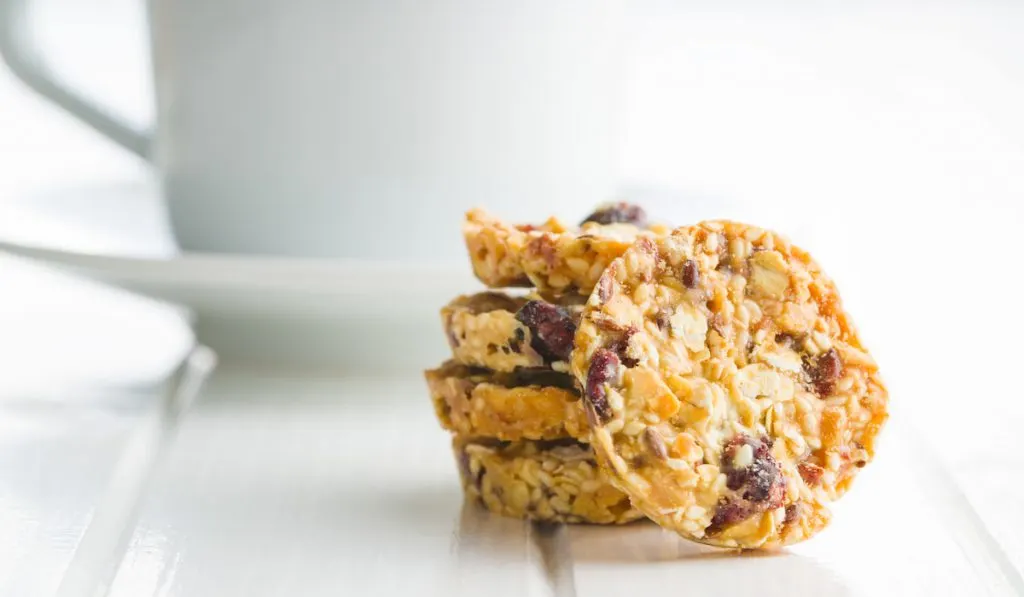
(705, 377)
(506, 393)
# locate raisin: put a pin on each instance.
(619, 213)
(604, 367)
(810, 473)
(552, 329)
(691, 275)
(764, 480)
(823, 371)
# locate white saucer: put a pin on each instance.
(337, 314)
(333, 313)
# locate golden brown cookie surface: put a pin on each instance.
(553, 257)
(544, 481)
(728, 392)
(505, 333)
(535, 405)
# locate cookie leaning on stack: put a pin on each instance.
(520, 434)
(727, 390)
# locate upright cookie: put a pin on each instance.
(555, 258)
(505, 333)
(544, 481)
(534, 405)
(728, 392)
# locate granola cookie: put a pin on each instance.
(505, 333)
(528, 404)
(543, 481)
(727, 390)
(553, 257)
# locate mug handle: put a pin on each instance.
(25, 62)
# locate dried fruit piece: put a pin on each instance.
(824, 371)
(552, 328)
(727, 513)
(619, 213)
(753, 472)
(754, 475)
(504, 333)
(620, 346)
(604, 368)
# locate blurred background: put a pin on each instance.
(314, 214)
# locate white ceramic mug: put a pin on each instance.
(363, 129)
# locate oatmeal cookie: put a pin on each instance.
(727, 390)
(528, 404)
(553, 257)
(544, 481)
(504, 333)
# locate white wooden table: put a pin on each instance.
(282, 483)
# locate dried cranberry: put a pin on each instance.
(728, 513)
(604, 367)
(691, 275)
(759, 485)
(823, 371)
(621, 344)
(619, 213)
(552, 329)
